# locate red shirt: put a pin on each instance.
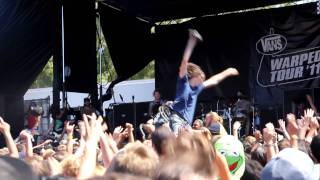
(32, 121)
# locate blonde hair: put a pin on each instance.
(136, 158)
(194, 70)
(194, 155)
(48, 153)
(71, 166)
(215, 117)
(250, 140)
(36, 163)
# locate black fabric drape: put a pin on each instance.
(26, 35)
(26, 44)
(80, 46)
(128, 41)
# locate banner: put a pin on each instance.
(285, 68)
(285, 52)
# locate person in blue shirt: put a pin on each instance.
(191, 81)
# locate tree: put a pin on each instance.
(147, 72)
(45, 78)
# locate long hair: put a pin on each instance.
(194, 71)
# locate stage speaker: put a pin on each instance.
(122, 113)
(316, 98)
(270, 114)
(142, 112)
(295, 101)
(134, 113)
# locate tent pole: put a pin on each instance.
(64, 100)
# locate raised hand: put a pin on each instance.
(129, 126)
(270, 126)
(195, 35)
(5, 130)
(150, 128)
(4, 126)
(69, 128)
(206, 132)
(282, 124)
(82, 129)
(92, 136)
(292, 125)
(129, 129)
(303, 124)
(93, 128)
(116, 132)
(308, 113)
(314, 124)
(313, 131)
(232, 71)
(104, 127)
(236, 125)
(25, 135)
(269, 134)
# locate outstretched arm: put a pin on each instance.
(5, 130)
(27, 137)
(194, 37)
(216, 79)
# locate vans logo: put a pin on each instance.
(271, 44)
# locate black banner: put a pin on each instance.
(285, 52)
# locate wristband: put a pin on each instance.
(270, 145)
(69, 137)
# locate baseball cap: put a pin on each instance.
(290, 164)
(214, 128)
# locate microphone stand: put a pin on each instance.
(230, 119)
(114, 103)
(114, 99)
(218, 105)
(253, 116)
(134, 116)
(100, 51)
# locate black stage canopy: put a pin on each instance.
(160, 10)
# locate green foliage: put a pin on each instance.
(146, 73)
(45, 78)
(109, 72)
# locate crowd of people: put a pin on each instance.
(175, 145)
(206, 151)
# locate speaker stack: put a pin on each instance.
(133, 113)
